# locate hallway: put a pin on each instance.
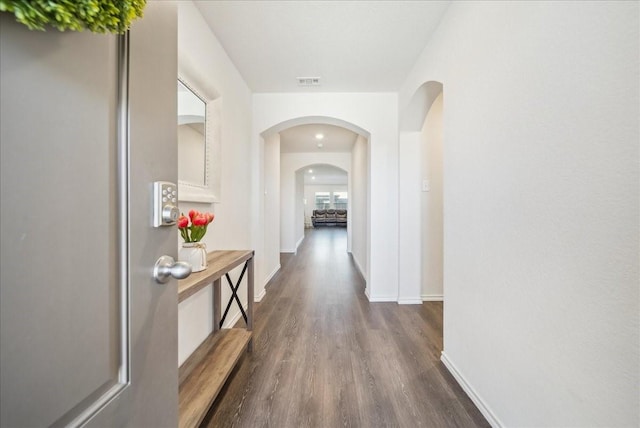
(326, 357)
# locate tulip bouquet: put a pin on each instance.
(194, 227)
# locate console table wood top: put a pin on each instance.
(218, 263)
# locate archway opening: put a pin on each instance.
(290, 149)
(421, 243)
(432, 203)
(324, 194)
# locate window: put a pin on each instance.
(326, 200)
(340, 200)
(323, 200)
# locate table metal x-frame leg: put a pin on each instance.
(248, 314)
(234, 295)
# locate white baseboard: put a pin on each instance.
(230, 322)
(409, 301)
(293, 250)
(432, 298)
(355, 260)
(477, 400)
(258, 298)
(271, 275)
(373, 299)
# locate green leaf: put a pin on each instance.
(100, 16)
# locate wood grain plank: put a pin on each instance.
(324, 356)
(205, 372)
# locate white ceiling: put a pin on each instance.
(302, 139)
(324, 174)
(353, 46)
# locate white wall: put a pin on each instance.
(541, 217)
(291, 221)
(231, 228)
(375, 114)
(271, 205)
(299, 208)
(358, 205)
(410, 209)
(432, 227)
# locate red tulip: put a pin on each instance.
(183, 222)
(194, 230)
(200, 220)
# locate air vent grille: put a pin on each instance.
(308, 81)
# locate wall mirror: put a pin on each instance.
(198, 143)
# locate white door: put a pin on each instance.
(87, 335)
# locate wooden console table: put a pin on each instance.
(203, 374)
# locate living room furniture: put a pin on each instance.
(329, 217)
(203, 374)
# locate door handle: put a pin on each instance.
(166, 267)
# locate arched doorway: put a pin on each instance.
(320, 187)
(421, 197)
(283, 170)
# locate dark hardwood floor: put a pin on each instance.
(325, 357)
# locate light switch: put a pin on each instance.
(426, 185)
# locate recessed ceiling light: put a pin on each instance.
(320, 145)
(313, 178)
(310, 171)
(319, 136)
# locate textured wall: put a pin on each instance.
(541, 207)
(231, 228)
(358, 212)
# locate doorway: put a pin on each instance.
(432, 221)
(300, 161)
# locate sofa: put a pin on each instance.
(329, 217)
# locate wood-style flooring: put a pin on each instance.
(325, 357)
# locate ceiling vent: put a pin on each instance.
(308, 81)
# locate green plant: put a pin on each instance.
(195, 231)
(98, 16)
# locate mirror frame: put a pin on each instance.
(210, 191)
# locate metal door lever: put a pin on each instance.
(166, 267)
